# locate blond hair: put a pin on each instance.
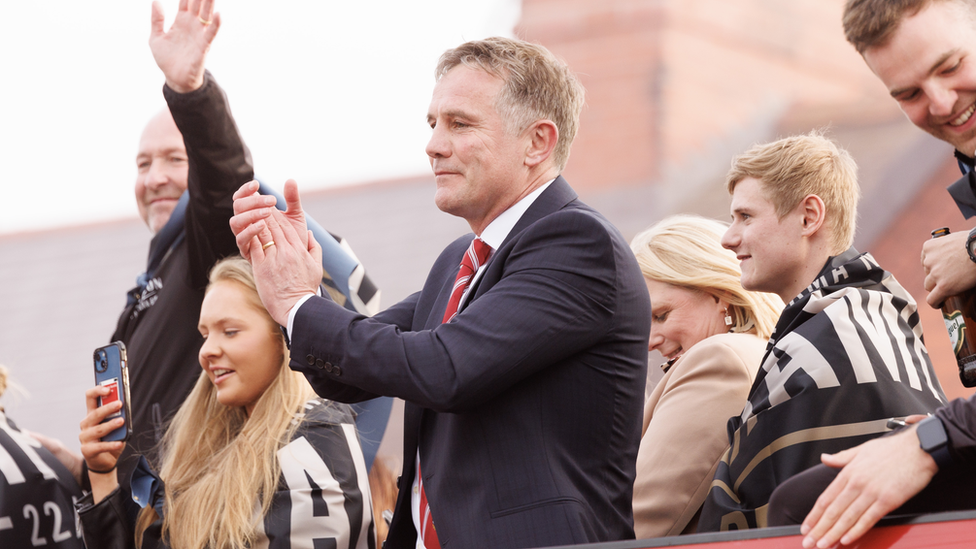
(790, 169)
(686, 251)
(218, 464)
(870, 23)
(538, 86)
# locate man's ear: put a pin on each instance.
(541, 138)
(813, 214)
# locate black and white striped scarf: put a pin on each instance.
(846, 355)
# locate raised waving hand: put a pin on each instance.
(181, 52)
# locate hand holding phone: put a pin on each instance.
(111, 372)
(100, 455)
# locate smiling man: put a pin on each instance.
(522, 360)
(192, 152)
(196, 148)
(924, 51)
(846, 354)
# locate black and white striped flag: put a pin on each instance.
(847, 354)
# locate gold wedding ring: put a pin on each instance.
(205, 23)
(268, 245)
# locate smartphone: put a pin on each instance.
(112, 371)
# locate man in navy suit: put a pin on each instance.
(523, 411)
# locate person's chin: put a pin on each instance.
(159, 216)
(228, 399)
(963, 138)
(749, 282)
(967, 146)
(446, 200)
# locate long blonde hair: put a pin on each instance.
(686, 251)
(218, 464)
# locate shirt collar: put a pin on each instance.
(497, 231)
(965, 161)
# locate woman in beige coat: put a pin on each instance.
(713, 333)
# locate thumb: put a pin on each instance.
(292, 201)
(156, 20)
(915, 418)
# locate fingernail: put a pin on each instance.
(804, 529)
(269, 200)
(807, 543)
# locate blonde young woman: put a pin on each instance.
(251, 459)
(713, 333)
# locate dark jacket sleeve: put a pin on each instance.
(959, 418)
(109, 524)
(316, 370)
(551, 295)
(219, 163)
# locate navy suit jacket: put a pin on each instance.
(526, 408)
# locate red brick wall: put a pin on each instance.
(614, 48)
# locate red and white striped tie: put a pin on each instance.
(427, 531)
(474, 258)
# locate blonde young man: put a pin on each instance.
(846, 354)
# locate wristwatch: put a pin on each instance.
(933, 439)
(971, 245)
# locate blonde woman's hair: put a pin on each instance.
(792, 168)
(686, 251)
(538, 86)
(218, 464)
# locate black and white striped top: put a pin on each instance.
(322, 499)
(37, 494)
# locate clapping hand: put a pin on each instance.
(287, 260)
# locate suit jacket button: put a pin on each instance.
(328, 367)
(310, 359)
(337, 371)
(319, 364)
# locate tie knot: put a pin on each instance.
(478, 253)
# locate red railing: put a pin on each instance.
(955, 530)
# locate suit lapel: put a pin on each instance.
(553, 199)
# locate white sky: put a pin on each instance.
(326, 92)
